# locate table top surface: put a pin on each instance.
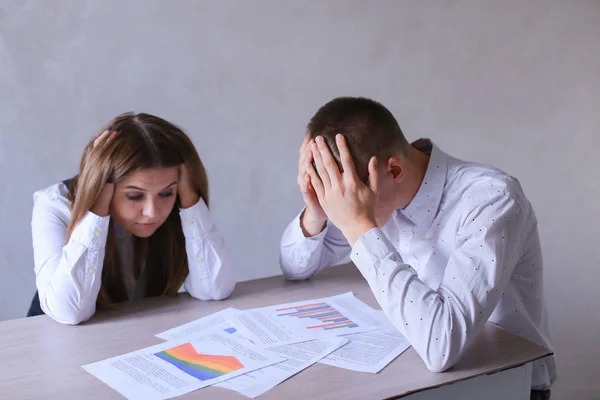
(41, 357)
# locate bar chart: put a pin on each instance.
(320, 315)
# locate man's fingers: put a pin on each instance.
(329, 163)
(305, 143)
(315, 181)
(321, 170)
(308, 194)
(304, 182)
(305, 157)
(345, 156)
(373, 175)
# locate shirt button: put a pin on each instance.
(199, 260)
(190, 222)
(91, 271)
(98, 232)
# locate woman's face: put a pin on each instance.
(144, 198)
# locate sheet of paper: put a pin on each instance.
(180, 366)
(303, 320)
(299, 357)
(203, 324)
(369, 351)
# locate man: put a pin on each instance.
(444, 244)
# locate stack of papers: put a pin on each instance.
(252, 351)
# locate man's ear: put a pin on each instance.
(395, 169)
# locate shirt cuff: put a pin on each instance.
(91, 231)
(196, 220)
(370, 249)
(375, 256)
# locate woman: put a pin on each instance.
(133, 223)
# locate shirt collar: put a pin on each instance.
(424, 206)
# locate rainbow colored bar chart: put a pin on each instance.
(321, 316)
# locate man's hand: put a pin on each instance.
(313, 219)
(347, 202)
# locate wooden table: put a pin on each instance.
(40, 358)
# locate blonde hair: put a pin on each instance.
(142, 141)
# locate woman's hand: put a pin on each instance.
(102, 205)
(187, 194)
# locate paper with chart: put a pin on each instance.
(180, 366)
(370, 351)
(212, 321)
(299, 357)
(303, 320)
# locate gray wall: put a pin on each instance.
(512, 83)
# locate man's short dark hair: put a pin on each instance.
(370, 130)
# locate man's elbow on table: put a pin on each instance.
(302, 276)
(294, 271)
(439, 364)
(442, 354)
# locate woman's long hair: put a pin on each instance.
(142, 141)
